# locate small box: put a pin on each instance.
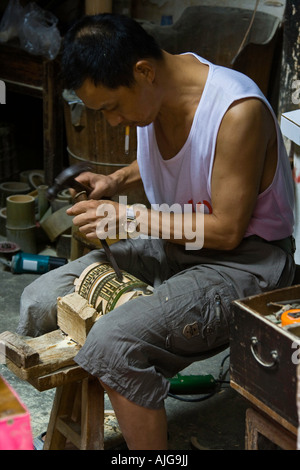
(15, 428)
(290, 125)
(264, 356)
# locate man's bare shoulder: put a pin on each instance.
(249, 117)
(247, 110)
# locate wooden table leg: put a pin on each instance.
(257, 423)
(78, 419)
(92, 415)
(62, 407)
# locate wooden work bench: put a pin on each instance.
(38, 77)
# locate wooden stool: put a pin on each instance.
(47, 362)
(259, 423)
(77, 416)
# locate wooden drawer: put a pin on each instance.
(264, 356)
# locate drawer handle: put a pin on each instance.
(274, 355)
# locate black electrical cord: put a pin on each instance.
(205, 397)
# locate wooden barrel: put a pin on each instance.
(91, 138)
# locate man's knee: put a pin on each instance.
(38, 294)
(37, 310)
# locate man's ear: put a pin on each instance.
(145, 69)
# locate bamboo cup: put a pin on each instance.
(20, 222)
(20, 211)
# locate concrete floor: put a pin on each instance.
(217, 423)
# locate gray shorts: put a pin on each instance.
(138, 346)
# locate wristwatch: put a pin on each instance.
(131, 222)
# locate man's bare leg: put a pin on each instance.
(142, 428)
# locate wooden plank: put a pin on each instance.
(53, 141)
(58, 378)
(21, 67)
(70, 430)
(257, 423)
(75, 316)
(92, 412)
(55, 350)
(263, 407)
(18, 351)
(62, 406)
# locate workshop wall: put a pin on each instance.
(289, 98)
(290, 69)
(154, 10)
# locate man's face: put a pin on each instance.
(134, 106)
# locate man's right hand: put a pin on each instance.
(102, 186)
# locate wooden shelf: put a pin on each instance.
(38, 77)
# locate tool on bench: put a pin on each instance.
(66, 179)
(289, 312)
(290, 316)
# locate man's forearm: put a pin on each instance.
(195, 230)
(127, 176)
(181, 228)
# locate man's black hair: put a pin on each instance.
(105, 48)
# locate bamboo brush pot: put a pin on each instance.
(99, 285)
(20, 211)
(20, 222)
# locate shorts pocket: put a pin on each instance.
(203, 327)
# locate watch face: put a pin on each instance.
(130, 213)
(130, 226)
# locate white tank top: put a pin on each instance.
(186, 178)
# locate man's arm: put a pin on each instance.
(239, 168)
(110, 185)
(127, 177)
